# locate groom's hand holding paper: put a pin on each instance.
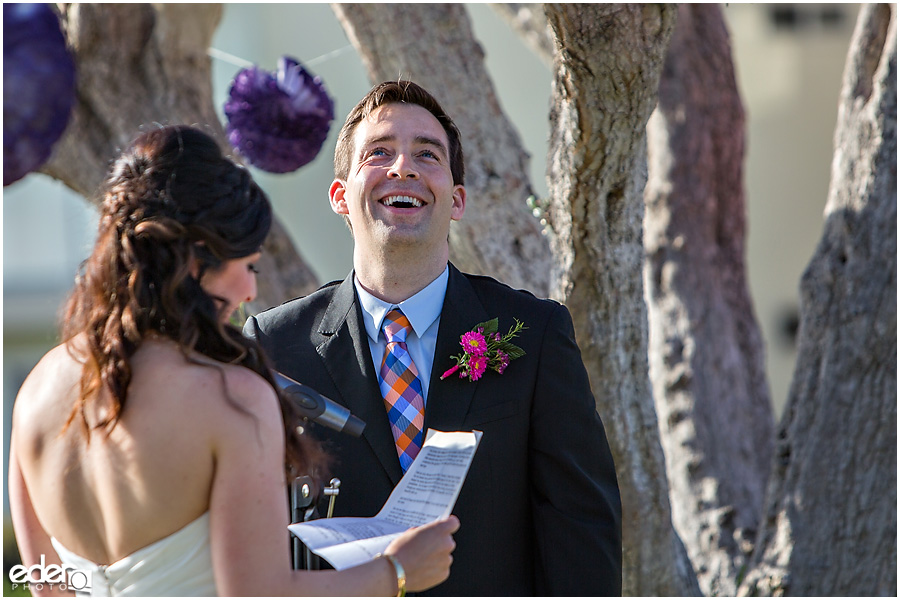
(426, 493)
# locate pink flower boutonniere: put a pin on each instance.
(484, 348)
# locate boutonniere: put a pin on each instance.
(484, 348)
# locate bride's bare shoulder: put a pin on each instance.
(58, 370)
(52, 385)
(231, 404)
(163, 367)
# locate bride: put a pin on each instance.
(151, 447)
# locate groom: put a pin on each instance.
(540, 512)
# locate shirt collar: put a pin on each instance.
(421, 309)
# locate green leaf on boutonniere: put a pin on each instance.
(485, 349)
(488, 326)
(511, 349)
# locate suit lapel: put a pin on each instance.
(348, 360)
(449, 400)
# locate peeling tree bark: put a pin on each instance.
(498, 235)
(705, 348)
(830, 523)
(139, 65)
(608, 62)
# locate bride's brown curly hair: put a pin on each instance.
(171, 200)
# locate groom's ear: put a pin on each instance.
(336, 197)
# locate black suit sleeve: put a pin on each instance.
(575, 495)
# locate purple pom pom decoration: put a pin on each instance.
(38, 87)
(278, 122)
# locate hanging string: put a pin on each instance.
(229, 58)
(246, 64)
(329, 55)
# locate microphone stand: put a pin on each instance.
(303, 508)
(313, 407)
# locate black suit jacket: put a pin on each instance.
(540, 510)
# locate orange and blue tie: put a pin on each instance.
(402, 389)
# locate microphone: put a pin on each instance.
(316, 407)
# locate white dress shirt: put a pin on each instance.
(424, 313)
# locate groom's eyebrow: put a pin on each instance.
(379, 139)
(373, 141)
(430, 141)
(419, 139)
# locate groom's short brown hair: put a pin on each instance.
(388, 93)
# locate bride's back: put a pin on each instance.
(109, 496)
(180, 225)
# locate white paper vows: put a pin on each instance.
(426, 493)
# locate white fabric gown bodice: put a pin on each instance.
(177, 565)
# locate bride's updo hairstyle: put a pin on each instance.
(171, 200)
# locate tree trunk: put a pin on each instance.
(433, 45)
(830, 523)
(608, 62)
(706, 351)
(140, 65)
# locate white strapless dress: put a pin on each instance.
(177, 565)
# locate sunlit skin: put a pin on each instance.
(234, 281)
(228, 466)
(194, 437)
(400, 199)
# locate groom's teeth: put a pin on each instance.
(396, 200)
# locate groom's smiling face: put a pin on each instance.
(399, 191)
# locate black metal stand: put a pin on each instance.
(303, 509)
(315, 407)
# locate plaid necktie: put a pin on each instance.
(401, 388)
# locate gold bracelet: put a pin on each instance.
(398, 569)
